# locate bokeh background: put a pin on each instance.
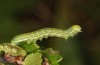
(21, 16)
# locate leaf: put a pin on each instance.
(1, 48)
(29, 47)
(53, 56)
(33, 59)
(14, 50)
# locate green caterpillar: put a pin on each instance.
(46, 32)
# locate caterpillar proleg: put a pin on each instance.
(46, 32)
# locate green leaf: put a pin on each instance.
(53, 56)
(33, 59)
(14, 50)
(1, 48)
(29, 47)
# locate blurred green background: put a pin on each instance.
(21, 16)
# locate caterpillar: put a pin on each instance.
(46, 32)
